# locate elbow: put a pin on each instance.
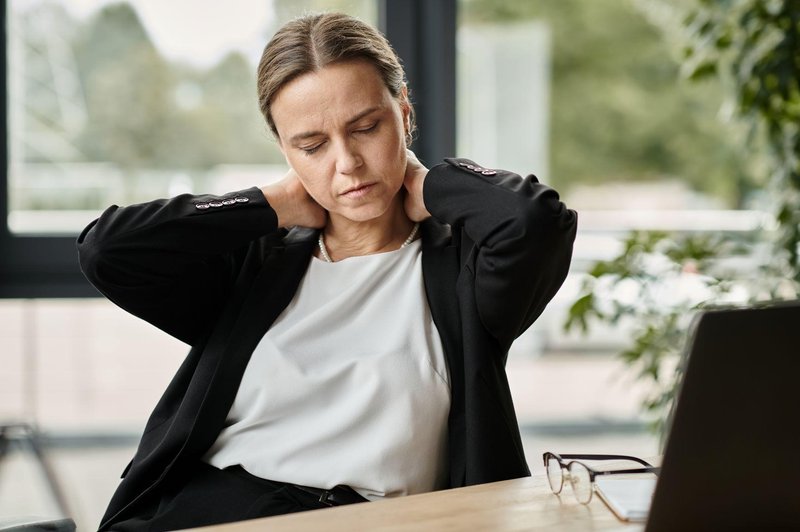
(92, 243)
(91, 253)
(540, 230)
(87, 251)
(90, 262)
(547, 218)
(549, 237)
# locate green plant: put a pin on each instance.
(659, 280)
(653, 287)
(754, 46)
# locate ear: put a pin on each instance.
(405, 107)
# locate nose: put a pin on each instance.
(347, 159)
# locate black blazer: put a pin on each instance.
(215, 272)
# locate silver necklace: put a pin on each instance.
(324, 251)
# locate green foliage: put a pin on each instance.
(126, 85)
(619, 111)
(754, 47)
(143, 110)
(655, 285)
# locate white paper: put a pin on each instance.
(628, 498)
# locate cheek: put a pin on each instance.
(394, 156)
(389, 148)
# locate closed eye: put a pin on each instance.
(311, 150)
(367, 129)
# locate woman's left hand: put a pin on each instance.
(414, 180)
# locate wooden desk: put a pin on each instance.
(520, 504)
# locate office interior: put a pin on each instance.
(120, 101)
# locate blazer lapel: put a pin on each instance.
(271, 292)
(440, 268)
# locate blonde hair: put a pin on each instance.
(310, 43)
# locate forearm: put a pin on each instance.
(522, 236)
(177, 257)
(190, 225)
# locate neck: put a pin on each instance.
(345, 238)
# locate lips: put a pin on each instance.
(358, 190)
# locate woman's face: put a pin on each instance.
(343, 133)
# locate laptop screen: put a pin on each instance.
(732, 459)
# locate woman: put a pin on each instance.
(348, 325)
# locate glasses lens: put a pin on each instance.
(554, 476)
(581, 482)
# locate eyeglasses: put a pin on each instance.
(580, 476)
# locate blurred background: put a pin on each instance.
(117, 102)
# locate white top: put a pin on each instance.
(349, 385)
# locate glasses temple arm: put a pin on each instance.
(606, 457)
(651, 469)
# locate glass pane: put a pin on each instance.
(587, 94)
(119, 102)
(503, 94)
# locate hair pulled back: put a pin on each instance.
(312, 42)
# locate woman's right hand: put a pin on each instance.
(290, 200)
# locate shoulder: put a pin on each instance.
(459, 166)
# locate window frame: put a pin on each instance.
(422, 32)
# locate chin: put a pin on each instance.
(365, 213)
(362, 215)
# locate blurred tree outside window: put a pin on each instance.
(752, 48)
(602, 82)
(119, 102)
(683, 114)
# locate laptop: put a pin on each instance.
(732, 457)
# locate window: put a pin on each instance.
(123, 102)
(588, 96)
(114, 102)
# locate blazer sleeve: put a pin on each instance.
(172, 262)
(521, 239)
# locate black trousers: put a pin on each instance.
(210, 496)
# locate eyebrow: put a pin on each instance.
(308, 134)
